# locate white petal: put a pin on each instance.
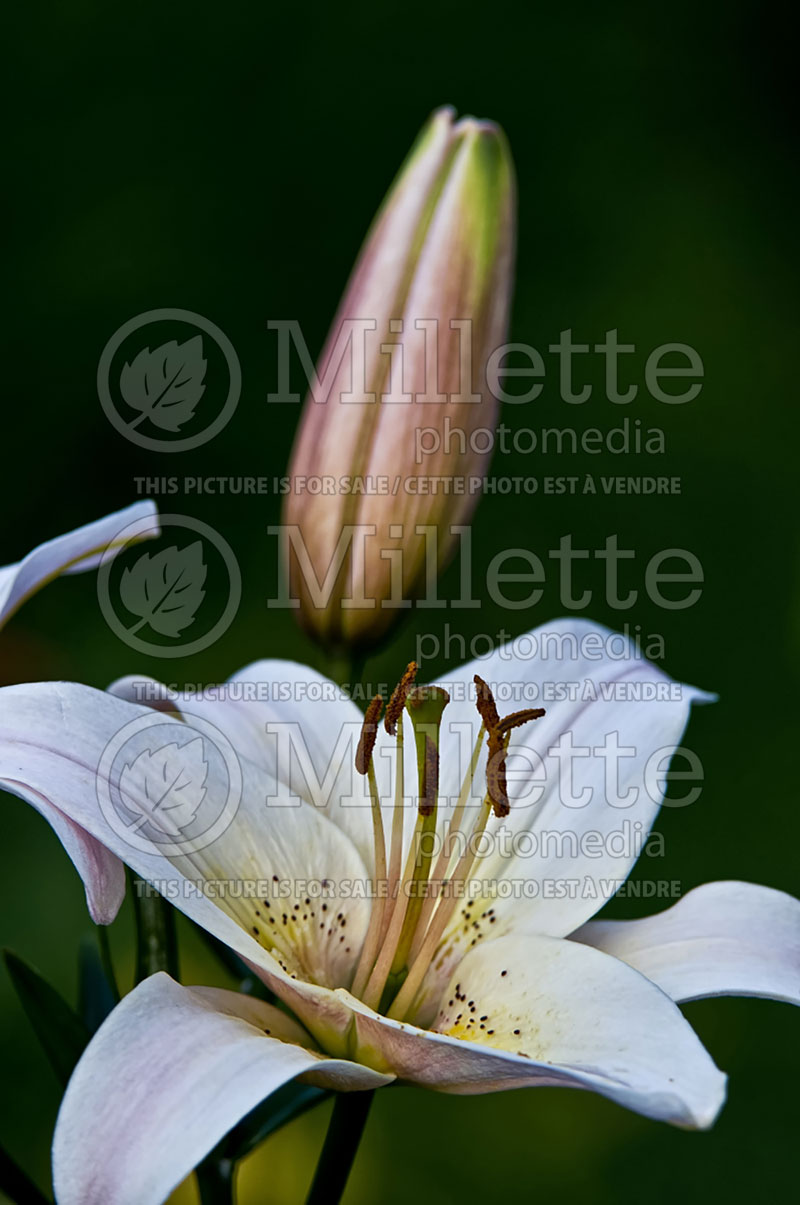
(575, 835)
(53, 742)
(74, 552)
(164, 1079)
(101, 871)
(552, 1018)
(722, 939)
(294, 723)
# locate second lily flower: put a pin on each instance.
(405, 365)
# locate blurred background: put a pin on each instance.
(227, 159)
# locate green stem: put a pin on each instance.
(106, 960)
(215, 1181)
(350, 1111)
(345, 667)
(157, 943)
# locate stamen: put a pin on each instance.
(425, 705)
(487, 708)
(462, 873)
(364, 765)
(394, 708)
(518, 718)
(374, 991)
(393, 723)
(369, 734)
(403, 946)
(499, 733)
(398, 818)
(496, 777)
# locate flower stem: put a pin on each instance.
(345, 668)
(106, 960)
(157, 944)
(215, 1181)
(350, 1111)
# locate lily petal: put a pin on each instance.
(167, 1075)
(53, 738)
(101, 871)
(294, 723)
(77, 551)
(526, 1011)
(570, 812)
(74, 552)
(721, 939)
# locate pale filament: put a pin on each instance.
(377, 980)
(461, 874)
(372, 938)
(396, 848)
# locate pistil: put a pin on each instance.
(425, 706)
(445, 854)
(496, 800)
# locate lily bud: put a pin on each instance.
(401, 389)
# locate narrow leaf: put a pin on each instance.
(17, 1184)
(96, 995)
(60, 1030)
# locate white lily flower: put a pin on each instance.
(76, 552)
(505, 983)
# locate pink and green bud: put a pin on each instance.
(402, 388)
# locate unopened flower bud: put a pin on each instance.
(397, 431)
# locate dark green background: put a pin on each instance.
(226, 158)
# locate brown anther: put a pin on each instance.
(496, 778)
(369, 734)
(518, 718)
(487, 708)
(498, 735)
(394, 708)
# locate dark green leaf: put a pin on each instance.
(60, 1030)
(17, 1184)
(96, 996)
